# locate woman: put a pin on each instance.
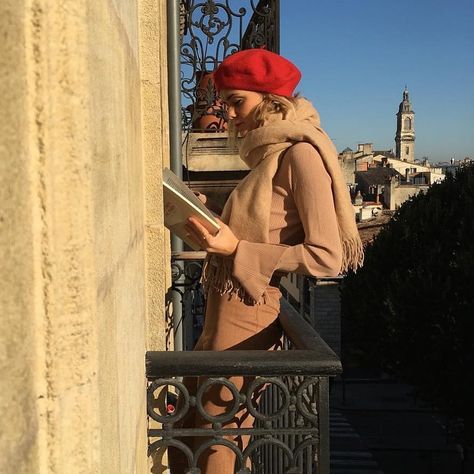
(291, 213)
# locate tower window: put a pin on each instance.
(407, 123)
(407, 150)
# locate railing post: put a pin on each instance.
(324, 434)
(312, 302)
(174, 99)
(301, 289)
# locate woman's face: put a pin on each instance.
(241, 105)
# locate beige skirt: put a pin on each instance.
(231, 324)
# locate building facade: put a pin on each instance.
(405, 136)
(83, 128)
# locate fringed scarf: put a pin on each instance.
(247, 211)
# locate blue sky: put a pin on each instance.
(357, 55)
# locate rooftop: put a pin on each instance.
(370, 228)
(378, 175)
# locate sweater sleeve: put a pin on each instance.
(320, 254)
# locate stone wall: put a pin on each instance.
(82, 245)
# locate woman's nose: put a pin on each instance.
(231, 112)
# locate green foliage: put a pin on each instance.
(410, 309)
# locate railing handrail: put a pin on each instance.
(234, 363)
(312, 356)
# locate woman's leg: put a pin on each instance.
(237, 327)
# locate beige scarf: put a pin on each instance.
(247, 211)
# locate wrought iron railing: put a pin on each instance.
(291, 431)
(210, 31)
(186, 268)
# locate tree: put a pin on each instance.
(410, 308)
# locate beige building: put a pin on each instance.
(396, 192)
(84, 254)
(411, 170)
(369, 172)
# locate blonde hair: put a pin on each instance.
(271, 105)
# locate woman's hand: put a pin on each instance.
(223, 243)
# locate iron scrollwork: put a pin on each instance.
(186, 281)
(286, 427)
(211, 31)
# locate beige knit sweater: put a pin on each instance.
(303, 233)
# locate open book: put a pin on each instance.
(180, 203)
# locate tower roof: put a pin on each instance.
(405, 105)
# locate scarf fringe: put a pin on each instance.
(217, 276)
(352, 254)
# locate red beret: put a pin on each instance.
(257, 70)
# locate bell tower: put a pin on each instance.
(405, 137)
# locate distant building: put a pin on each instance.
(391, 182)
(453, 165)
(405, 136)
(347, 162)
(398, 191)
(371, 183)
(412, 171)
(369, 174)
(367, 210)
(382, 177)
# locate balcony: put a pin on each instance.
(291, 431)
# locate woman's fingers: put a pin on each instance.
(199, 233)
(223, 243)
(199, 228)
(195, 234)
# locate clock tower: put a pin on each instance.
(405, 137)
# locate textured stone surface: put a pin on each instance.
(81, 157)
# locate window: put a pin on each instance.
(407, 123)
(407, 150)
